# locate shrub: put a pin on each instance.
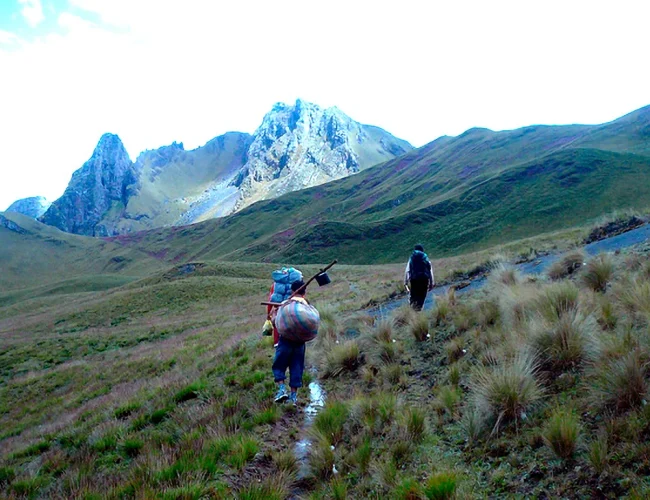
(558, 299)
(505, 392)
(598, 273)
(343, 357)
(561, 433)
(420, 327)
(565, 343)
(620, 384)
(566, 266)
(441, 486)
(599, 453)
(330, 421)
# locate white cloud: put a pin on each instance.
(159, 71)
(32, 11)
(8, 38)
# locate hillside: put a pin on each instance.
(39, 260)
(454, 194)
(296, 146)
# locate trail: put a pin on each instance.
(536, 266)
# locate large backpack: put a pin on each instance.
(282, 279)
(419, 266)
(297, 321)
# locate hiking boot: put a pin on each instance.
(293, 398)
(282, 394)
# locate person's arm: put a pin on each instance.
(269, 308)
(432, 283)
(407, 276)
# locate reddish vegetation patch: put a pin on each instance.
(402, 165)
(318, 195)
(179, 257)
(369, 201)
(285, 236)
(160, 254)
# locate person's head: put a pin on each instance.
(296, 285)
(419, 248)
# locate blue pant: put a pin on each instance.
(289, 355)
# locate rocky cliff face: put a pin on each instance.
(32, 207)
(304, 145)
(104, 183)
(295, 147)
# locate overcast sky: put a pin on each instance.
(158, 71)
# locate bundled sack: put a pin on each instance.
(297, 320)
(282, 279)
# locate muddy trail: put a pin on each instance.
(535, 266)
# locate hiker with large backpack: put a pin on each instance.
(297, 322)
(281, 291)
(418, 277)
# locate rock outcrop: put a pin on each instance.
(33, 207)
(295, 147)
(11, 225)
(104, 183)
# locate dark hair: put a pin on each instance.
(296, 285)
(419, 247)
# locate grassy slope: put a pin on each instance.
(455, 194)
(46, 261)
(161, 388)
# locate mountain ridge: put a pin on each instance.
(296, 146)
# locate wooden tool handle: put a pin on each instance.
(303, 286)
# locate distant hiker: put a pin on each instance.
(418, 277)
(281, 291)
(297, 321)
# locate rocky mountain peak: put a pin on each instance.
(33, 207)
(105, 182)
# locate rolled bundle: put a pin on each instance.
(297, 321)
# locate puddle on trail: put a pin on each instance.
(537, 266)
(316, 403)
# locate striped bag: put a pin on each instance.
(297, 320)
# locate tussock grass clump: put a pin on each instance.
(276, 487)
(502, 274)
(392, 373)
(190, 391)
(454, 375)
(345, 357)
(131, 447)
(403, 315)
(330, 421)
(362, 456)
(285, 461)
(598, 273)
(561, 433)
(599, 453)
(384, 328)
(620, 384)
(516, 304)
(558, 299)
(634, 296)
(507, 391)
(441, 486)
(419, 327)
(321, 459)
(243, 452)
(447, 399)
(444, 306)
(455, 349)
(487, 313)
(408, 489)
(565, 343)
(415, 424)
(125, 411)
(566, 266)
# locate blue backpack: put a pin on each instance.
(283, 279)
